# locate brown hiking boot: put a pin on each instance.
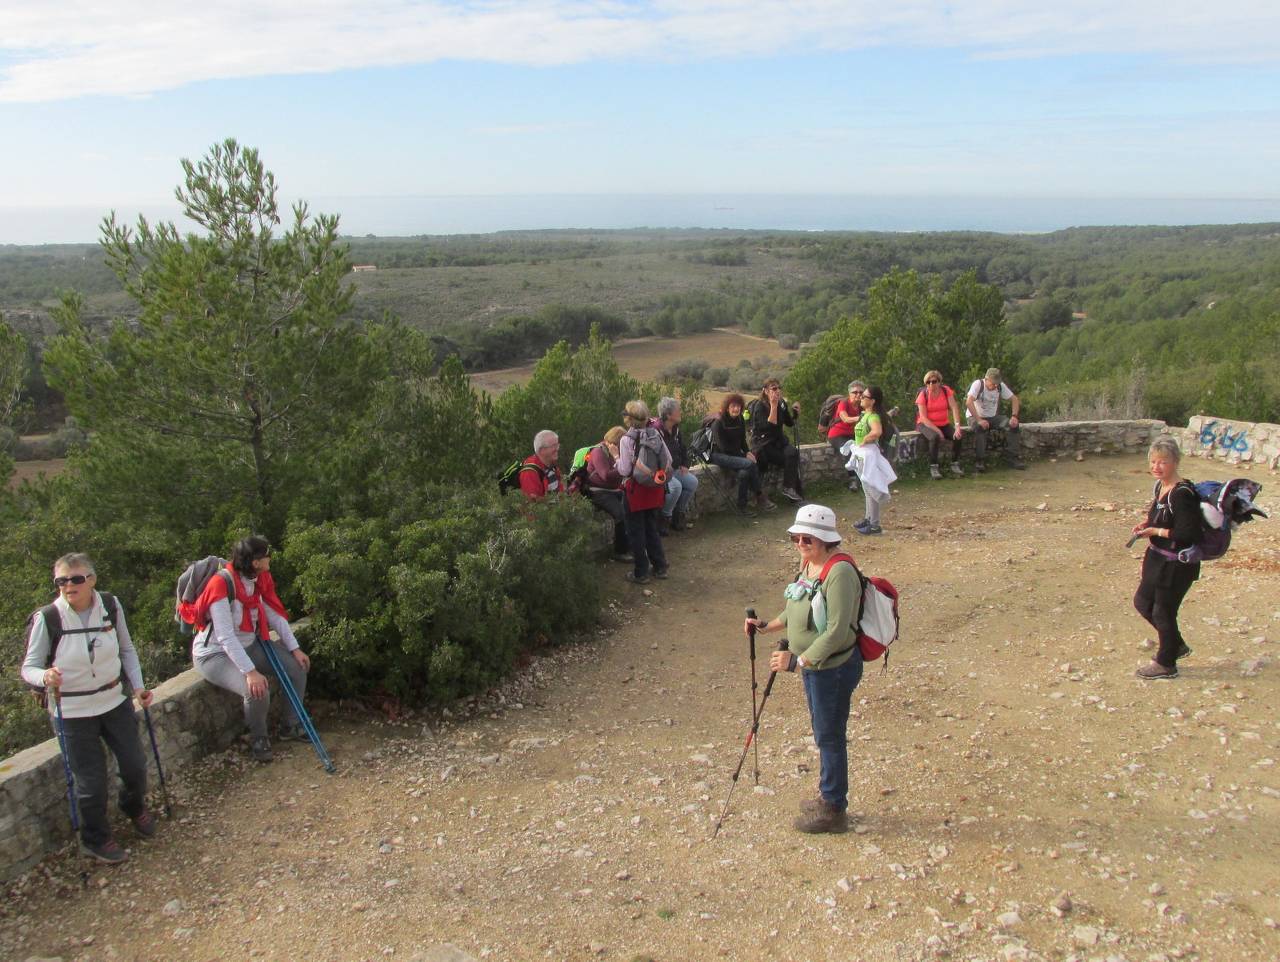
(1156, 671)
(824, 819)
(811, 805)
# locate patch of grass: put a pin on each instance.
(666, 914)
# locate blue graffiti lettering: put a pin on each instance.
(1225, 440)
(1206, 435)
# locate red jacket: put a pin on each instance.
(537, 480)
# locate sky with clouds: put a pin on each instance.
(404, 97)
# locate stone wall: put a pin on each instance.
(191, 718)
(1050, 439)
(1236, 442)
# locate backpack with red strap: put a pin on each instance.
(876, 626)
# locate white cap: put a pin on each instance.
(818, 521)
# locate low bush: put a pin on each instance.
(716, 376)
(690, 369)
(441, 600)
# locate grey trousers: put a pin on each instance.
(1000, 422)
(221, 671)
(119, 729)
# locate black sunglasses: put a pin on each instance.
(933, 382)
(63, 580)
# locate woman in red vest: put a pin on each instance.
(237, 612)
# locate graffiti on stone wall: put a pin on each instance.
(906, 448)
(1225, 440)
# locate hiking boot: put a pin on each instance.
(677, 522)
(636, 579)
(144, 824)
(624, 556)
(956, 469)
(293, 733)
(260, 749)
(822, 820)
(109, 853)
(791, 494)
(660, 573)
(762, 501)
(979, 467)
(864, 523)
(934, 472)
(811, 806)
(870, 529)
(1156, 671)
(746, 511)
(1184, 650)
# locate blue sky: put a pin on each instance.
(394, 97)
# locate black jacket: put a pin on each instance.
(675, 444)
(763, 433)
(729, 435)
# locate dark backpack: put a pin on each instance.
(509, 477)
(888, 434)
(53, 627)
(701, 442)
(1224, 506)
(827, 413)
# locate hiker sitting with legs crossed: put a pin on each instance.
(236, 613)
(78, 650)
(768, 415)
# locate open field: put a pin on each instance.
(643, 358)
(1019, 795)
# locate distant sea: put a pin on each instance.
(398, 216)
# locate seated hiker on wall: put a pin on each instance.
(540, 475)
(729, 452)
(983, 404)
(938, 419)
(643, 459)
(605, 488)
(235, 615)
(78, 651)
(846, 415)
(683, 483)
(769, 414)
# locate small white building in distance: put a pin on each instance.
(357, 268)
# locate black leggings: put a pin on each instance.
(787, 457)
(936, 435)
(1159, 603)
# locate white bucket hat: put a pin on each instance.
(816, 520)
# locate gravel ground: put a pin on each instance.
(1018, 793)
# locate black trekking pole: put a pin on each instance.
(56, 695)
(301, 712)
(155, 750)
(751, 641)
(751, 737)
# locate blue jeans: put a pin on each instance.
(119, 729)
(828, 693)
(680, 491)
(748, 473)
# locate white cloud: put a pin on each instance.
(58, 49)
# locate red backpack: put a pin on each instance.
(876, 626)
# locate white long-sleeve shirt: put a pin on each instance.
(87, 661)
(224, 635)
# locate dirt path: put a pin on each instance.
(1007, 760)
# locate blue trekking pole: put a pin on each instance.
(155, 750)
(66, 764)
(303, 718)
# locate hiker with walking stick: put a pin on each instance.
(78, 651)
(234, 616)
(821, 608)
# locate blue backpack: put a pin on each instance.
(1224, 506)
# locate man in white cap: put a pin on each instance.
(983, 404)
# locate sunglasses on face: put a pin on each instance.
(803, 539)
(63, 580)
(934, 381)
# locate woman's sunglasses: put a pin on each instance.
(64, 580)
(934, 381)
(804, 539)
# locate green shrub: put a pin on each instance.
(716, 376)
(690, 369)
(788, 342)
(442, 605)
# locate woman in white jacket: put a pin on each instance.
(78, 650)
